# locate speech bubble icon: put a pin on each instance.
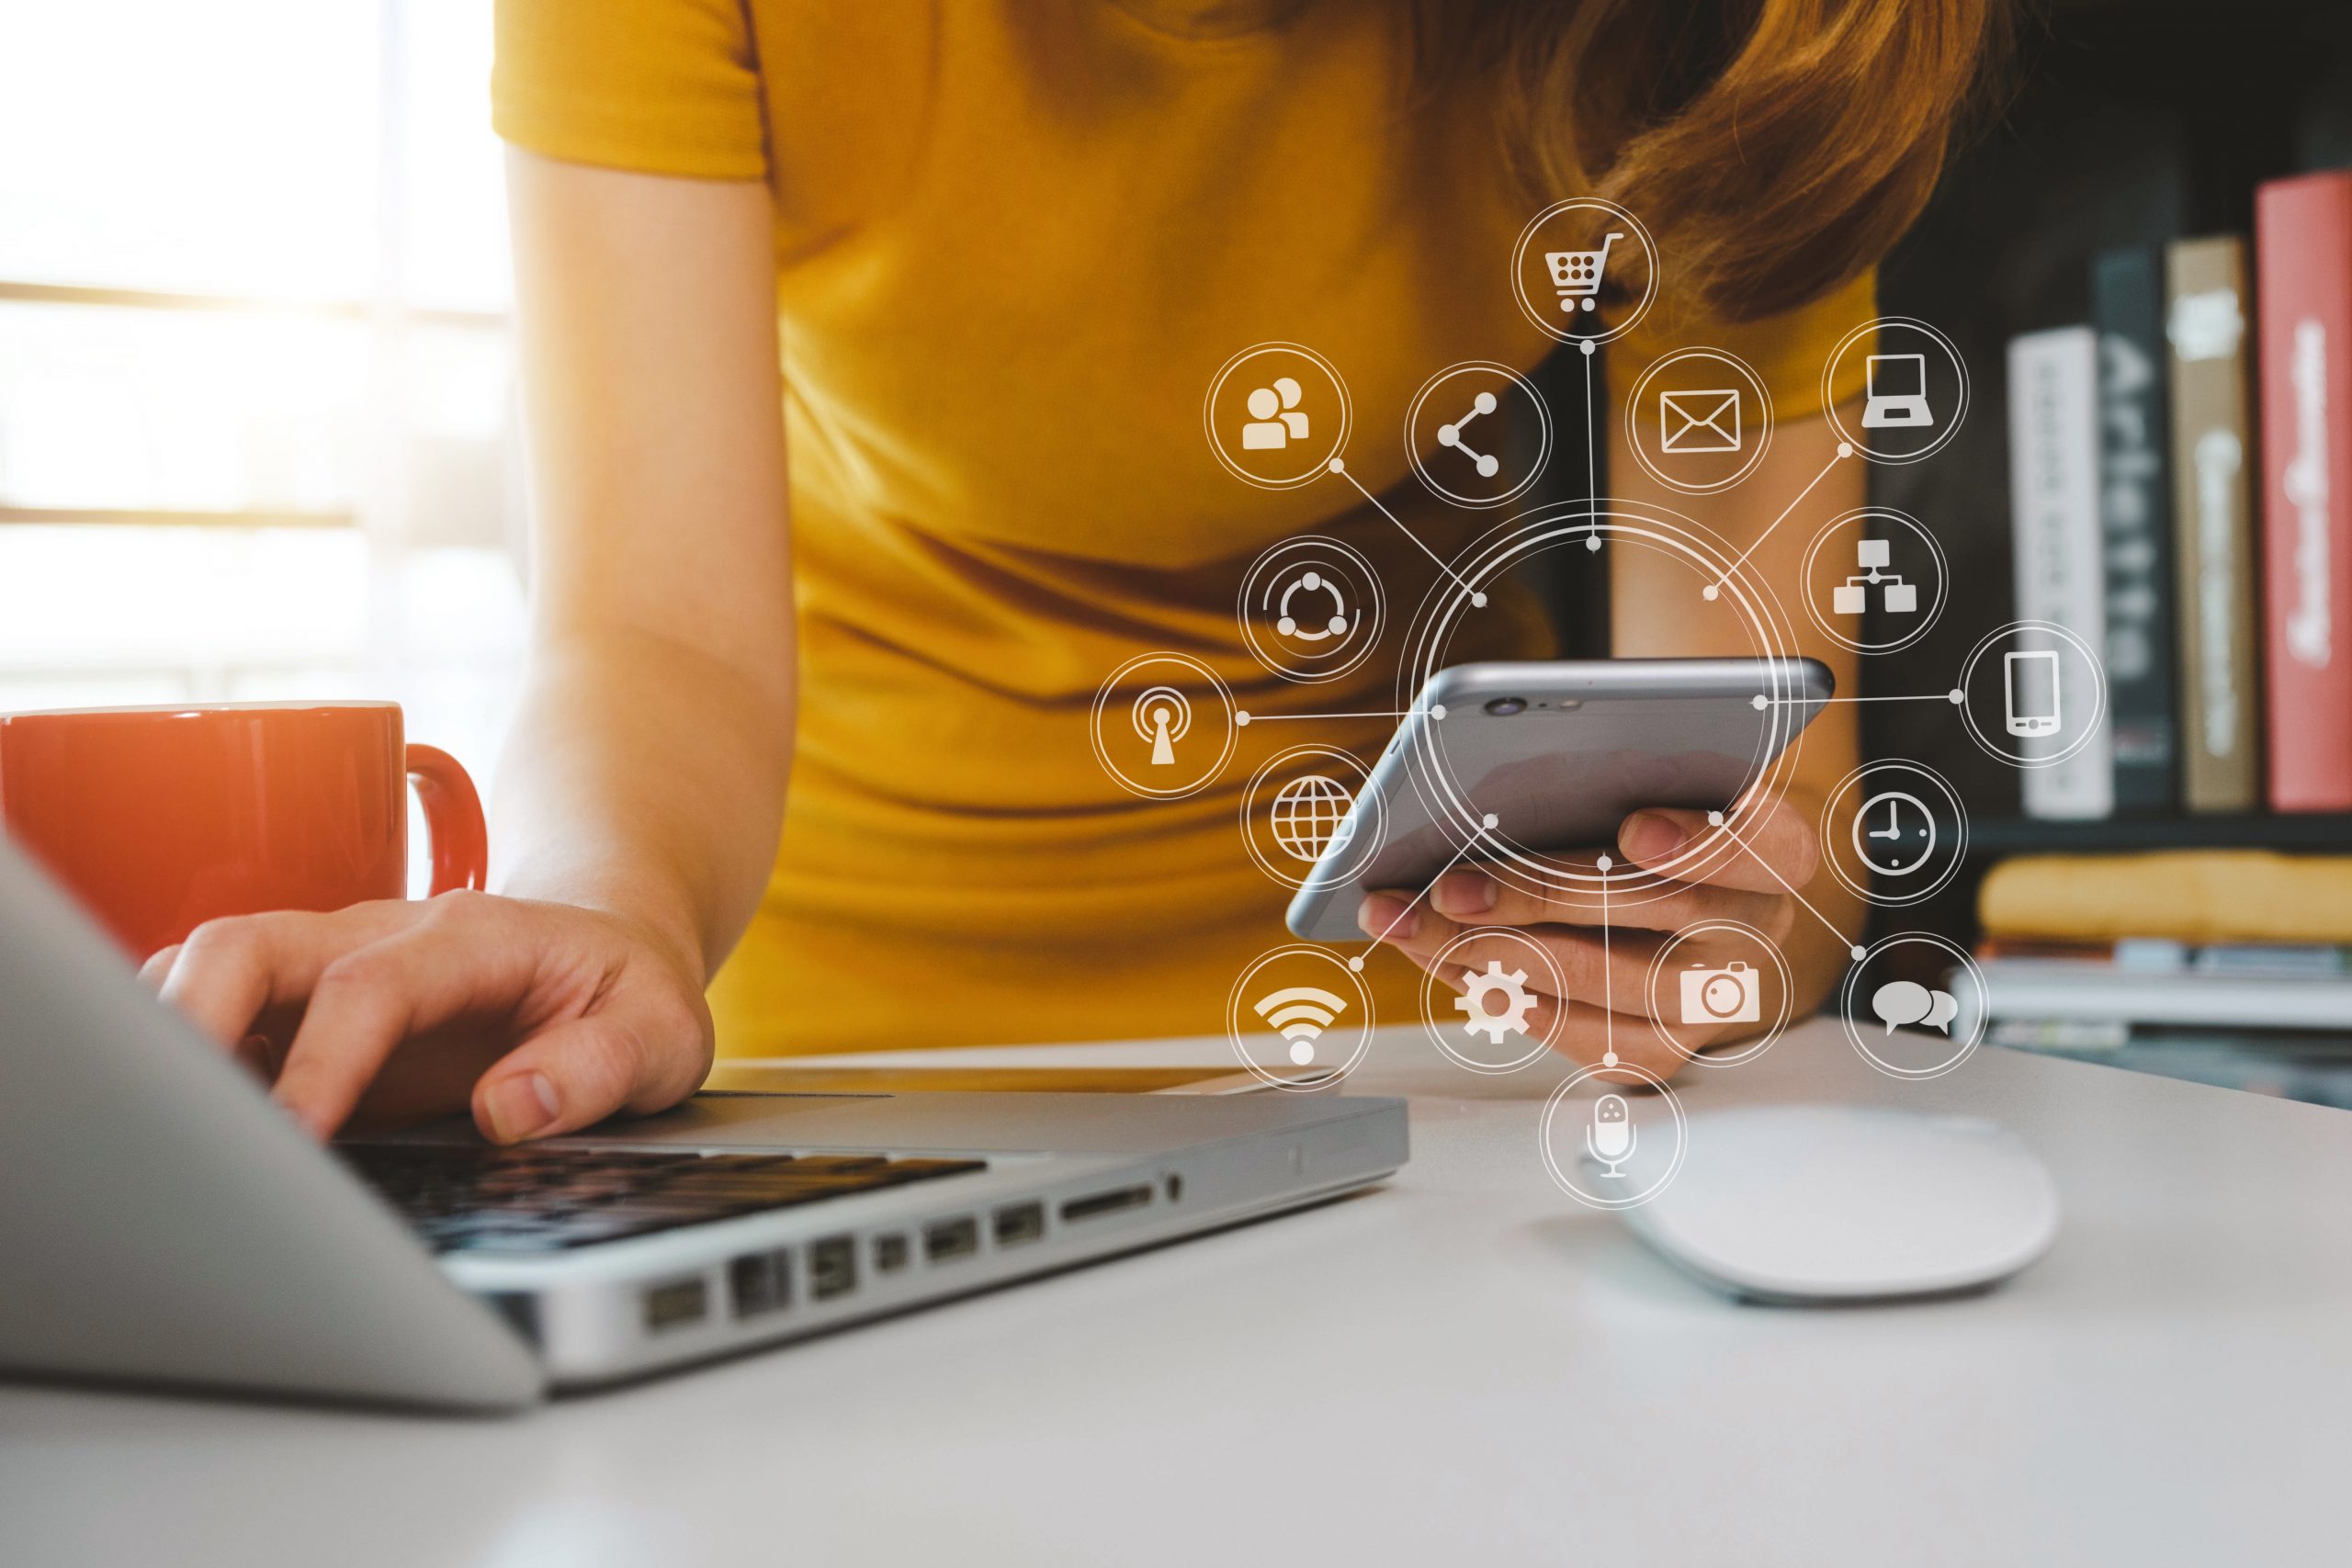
(1947, 1008)
(1899, 1002)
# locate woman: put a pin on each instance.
(1006, 243)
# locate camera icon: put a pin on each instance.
(1727, 995)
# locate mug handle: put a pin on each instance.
(452, 817)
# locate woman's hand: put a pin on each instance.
(545, 1017)
(1750, 884)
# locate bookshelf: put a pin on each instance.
(2133, 122)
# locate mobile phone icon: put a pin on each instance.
(2031, 692)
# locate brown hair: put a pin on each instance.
(1774, 148)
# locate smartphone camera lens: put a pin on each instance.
(1503, 707)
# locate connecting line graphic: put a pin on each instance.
(1608, 981)
(1844, 450)
(1592, 459)
(1244, 717)
(1356, 963)
(1955, 697)
(1852, 950)
(1477, 600)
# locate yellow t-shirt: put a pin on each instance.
(1016, 240)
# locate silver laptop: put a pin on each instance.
(162, 1221)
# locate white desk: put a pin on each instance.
(1464, 1368)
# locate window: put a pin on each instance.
(256, 413)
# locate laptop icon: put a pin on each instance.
(1896, 386)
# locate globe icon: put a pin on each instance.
(1306, 814)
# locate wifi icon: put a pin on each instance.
(1300, 1014)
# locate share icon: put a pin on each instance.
(1450, 436)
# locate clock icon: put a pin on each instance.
(1894, 833)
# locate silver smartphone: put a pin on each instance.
(1558, 754)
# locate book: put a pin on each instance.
(2303, 298)
(2191, 896)
(2135, 524)
(2205, 317)
(2054, 519)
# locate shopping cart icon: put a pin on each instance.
(1576, 273)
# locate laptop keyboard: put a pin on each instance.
(465, 1198)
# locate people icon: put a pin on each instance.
(1275, 418)
(1161, 715)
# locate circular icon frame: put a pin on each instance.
(1543, 319)
(1421, 464)
(1322, 464)
(1964, 1048)
(1637, 1074)
(1514, 982)
(1359, 638)
(1739, 367)
(1926, 622)
(1829, 389)
(1833, 836)
(1748, 1052)
(1360, 843)
(1137, 717)
(2099, 686)
(1235, 1005)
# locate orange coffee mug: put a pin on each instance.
(162, 818)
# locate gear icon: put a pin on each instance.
(1494, 1022)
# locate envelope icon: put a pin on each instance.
(1699, 422)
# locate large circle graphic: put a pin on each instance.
(1292, 1025)
(1311, 608)
(1722, 579)
(1146, 725)
(1276, 414)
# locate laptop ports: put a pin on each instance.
(678, 1303)
(951, 1238)
(890, 1252)
(760, 1282)
(1020, 1222)
(832, 1268)
(1109, 1203)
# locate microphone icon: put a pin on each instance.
(1609, 1139)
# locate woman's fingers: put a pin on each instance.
(1589, 970)
(637, 1058)
(364, 1002)
(1768, 847)
(1474, 897)
(227, 973)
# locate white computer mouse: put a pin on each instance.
(1799, 1203)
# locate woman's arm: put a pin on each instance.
(643, 789)
(645, 772)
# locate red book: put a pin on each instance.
(2303, 298)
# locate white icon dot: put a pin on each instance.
(1243, 717)
(1588, 345)
(1302, 1052)
(1592, 541)
(1356, 964)
(1857, 953)
(1478, 600)
(1759, 702)
(1337, 467)
(1604, 862)
(1715, 819)
(1490, 819)
(1438, 711)
(1845, 448)
(1287, 626)
(1708, 592)
(1483, 402)
(1447, 436)
(1609, 1058)
(1957, 696)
